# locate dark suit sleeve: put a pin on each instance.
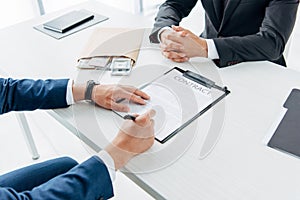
(170, 13)
(268, 43)
(88, 180)
(27, 94)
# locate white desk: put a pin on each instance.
(239, 167)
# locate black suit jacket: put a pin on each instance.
(245, 30)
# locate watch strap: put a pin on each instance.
(89, 89)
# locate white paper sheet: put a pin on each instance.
(175, 99)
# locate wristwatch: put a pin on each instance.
(89, 89)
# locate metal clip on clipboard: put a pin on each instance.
(203, 81)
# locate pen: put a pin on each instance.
(130, 117)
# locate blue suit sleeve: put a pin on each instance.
(27, 94)
(89, 180)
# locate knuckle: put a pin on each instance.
(172, 45)
(167, 43)
(108, 105)
(118, 90)
(168, 36)
(132, 88)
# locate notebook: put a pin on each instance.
(68, 21)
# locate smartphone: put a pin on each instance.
(68, 21)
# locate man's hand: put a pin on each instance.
(181, 44)
(107, 96)
(170, 48)
(134, 137)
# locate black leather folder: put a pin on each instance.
(287, 135)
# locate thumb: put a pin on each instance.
(145, 119)
(177, 28)
(184, 33)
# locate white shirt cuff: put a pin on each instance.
(69, 95)
(212, 52)
(161, 30)
(109, 162)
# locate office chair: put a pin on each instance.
(41, 7)
(27, 135)
(139, 7)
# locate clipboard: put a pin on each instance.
(179, 97)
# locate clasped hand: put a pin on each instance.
(179, 44)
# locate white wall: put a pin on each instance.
(15, 11)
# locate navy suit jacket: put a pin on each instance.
(27, 94)
(245, 30)
(88, 180)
